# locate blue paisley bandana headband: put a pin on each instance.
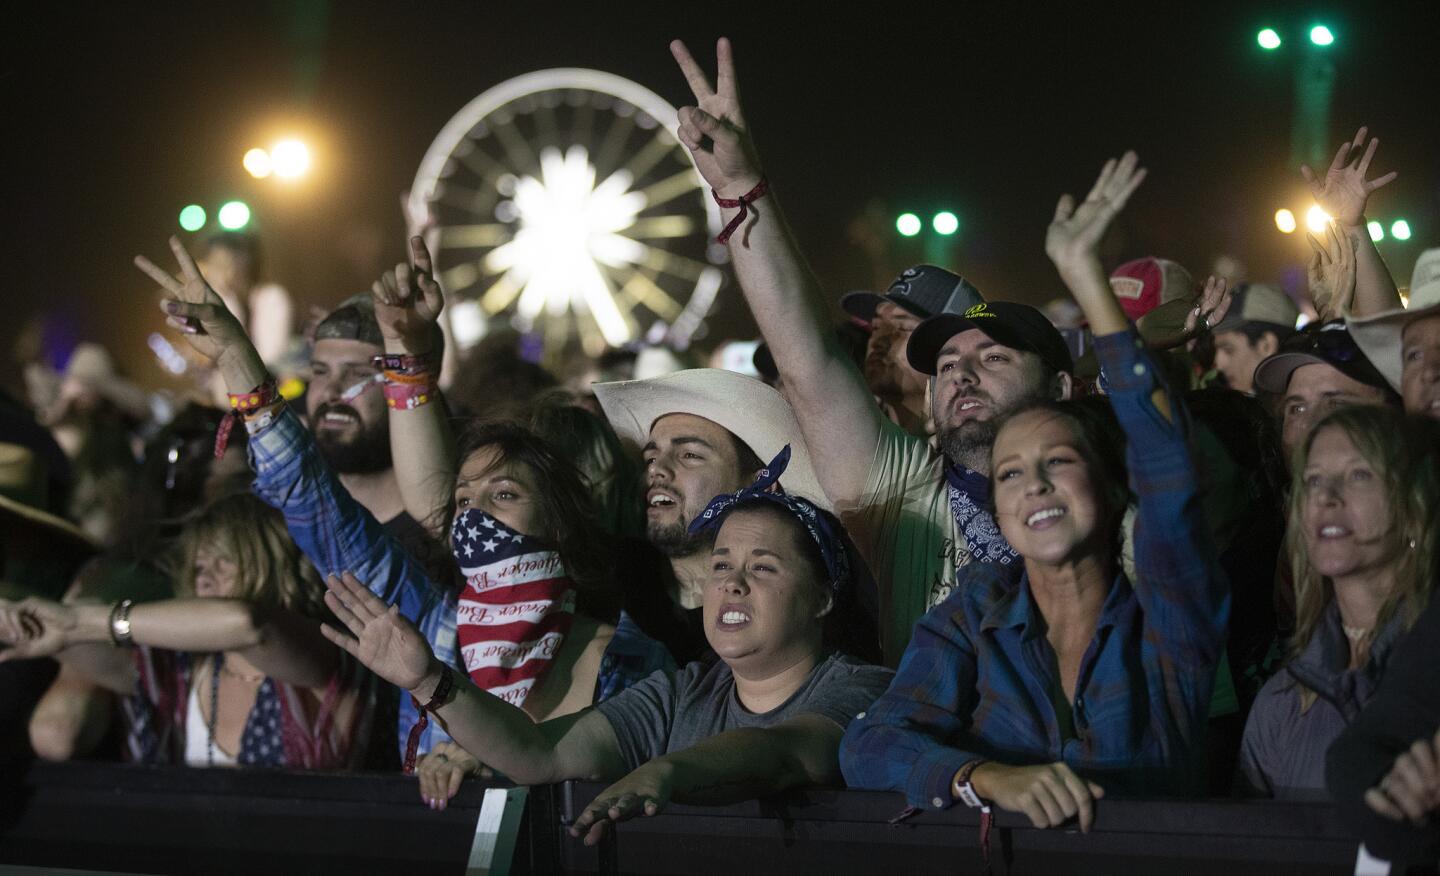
(767, 490)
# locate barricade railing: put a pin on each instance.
(111, 817)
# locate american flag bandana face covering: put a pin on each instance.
(516, 609)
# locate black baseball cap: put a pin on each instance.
(1018, 326)
(923, 290)
(1328, 343)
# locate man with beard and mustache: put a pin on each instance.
(915, 512)
(349, 419)
(703, 433)
(917, 294)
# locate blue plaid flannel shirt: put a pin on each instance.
(979, 677)
(339, 534)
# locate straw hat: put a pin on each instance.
(746, 407)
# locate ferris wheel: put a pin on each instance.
(563, 200)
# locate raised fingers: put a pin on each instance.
(699, 84)
(1101, 181)
(348, 643)
(420, 255)
(160, 276)
(725, 84)
(342, 611)
(363, 602)
(187, 264)
(1381, 805)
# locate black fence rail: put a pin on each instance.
(169, 820)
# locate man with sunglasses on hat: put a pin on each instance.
(915, 512)
(1318, 370)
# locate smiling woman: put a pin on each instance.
(1041, 695)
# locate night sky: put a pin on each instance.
(116, 118)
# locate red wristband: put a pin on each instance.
(242, 404)
(437, 699)
(743, 202)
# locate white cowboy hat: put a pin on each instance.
(750, 410)
(1379, 335)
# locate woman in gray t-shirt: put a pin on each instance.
(765, 717)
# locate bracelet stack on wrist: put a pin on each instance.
(242, 405)
(410, 381)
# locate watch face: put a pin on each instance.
(563, 204)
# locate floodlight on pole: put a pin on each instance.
(945, 223)
(257, 163)
(234, 215)
(1268, 39)
(1377, 231)
(192, 218)
(1400, 229)
(291, 159)
(1285, 221)
(908, 224)
(1321, 35)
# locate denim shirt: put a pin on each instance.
(338, 534)
(979, 678)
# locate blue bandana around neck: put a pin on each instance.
(969, 501)
(767, 489)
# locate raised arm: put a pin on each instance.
(408, 301)
(577, 746)
(280, 643)
(1343, 193)
(837, 413)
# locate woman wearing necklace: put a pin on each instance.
(235, 671)
(1364, 486)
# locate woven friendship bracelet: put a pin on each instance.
(743, 202)
(243, 405)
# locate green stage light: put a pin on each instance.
(908, 224)
(234, 215)
(1268, 39)
(192, 218)
(1377, 231)
(1321, 35)
(1400, 229)
(945, 223)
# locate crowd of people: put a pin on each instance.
(964, 555)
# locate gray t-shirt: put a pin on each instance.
(672, 711)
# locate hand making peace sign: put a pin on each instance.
(714, 130)
(196, 309)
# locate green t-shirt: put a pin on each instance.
(904, 529)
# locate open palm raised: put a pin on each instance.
(386, 642)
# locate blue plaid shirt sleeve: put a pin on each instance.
(1180, 585)
(914, 738)
(338, 534)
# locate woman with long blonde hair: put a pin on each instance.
(234, 671)
(1361, 538)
